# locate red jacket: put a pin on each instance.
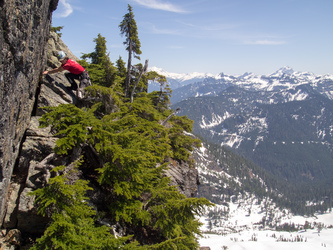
(73, 67)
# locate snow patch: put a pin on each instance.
(215, 121)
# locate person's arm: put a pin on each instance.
(56, 70)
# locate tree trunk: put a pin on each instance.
(143, 71)
(129, 66)
(167, 119)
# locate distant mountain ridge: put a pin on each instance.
(205, 84)
(187, 78)
(177, 80)
(182, 77)
(282, 122)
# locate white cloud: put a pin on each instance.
(64, 9)
(265, 42)
(159, 5)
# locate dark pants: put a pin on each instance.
(71, 78)
(83, 78)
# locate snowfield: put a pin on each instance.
(247, 222)
(240, 231)
(263, 240)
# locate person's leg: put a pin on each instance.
(84, 82)
(71, 79)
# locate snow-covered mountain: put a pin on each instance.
(284, 78)
(178, 80)
(281, 77)
(282, 121)
(184, 78)
(204, 84)
(245, 214)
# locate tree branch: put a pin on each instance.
(167, 119)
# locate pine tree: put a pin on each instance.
(72, 221)
(57, 30)
(161, 99)
(101, 69)
(129, 29)
(121, 67)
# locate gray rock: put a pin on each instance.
(24, 31)
(35, 176)
(53, 92)
(186, 179)
(27, 218)
(35, 131)
(10, 218)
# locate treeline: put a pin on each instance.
(121, 139)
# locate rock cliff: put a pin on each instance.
(24, 31)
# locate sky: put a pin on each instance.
(208, 36)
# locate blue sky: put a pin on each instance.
(208, 36)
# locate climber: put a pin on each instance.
(76, 71)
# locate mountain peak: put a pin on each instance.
(284, 70)
(247, 75)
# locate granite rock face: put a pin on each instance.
(24, 31)
(37, 145)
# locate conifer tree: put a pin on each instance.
(142, 70)
(121, 67)
(57, 30)
(128, 28)
(162, 97)
(72, 223)
(99, 56)
(101, 69)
